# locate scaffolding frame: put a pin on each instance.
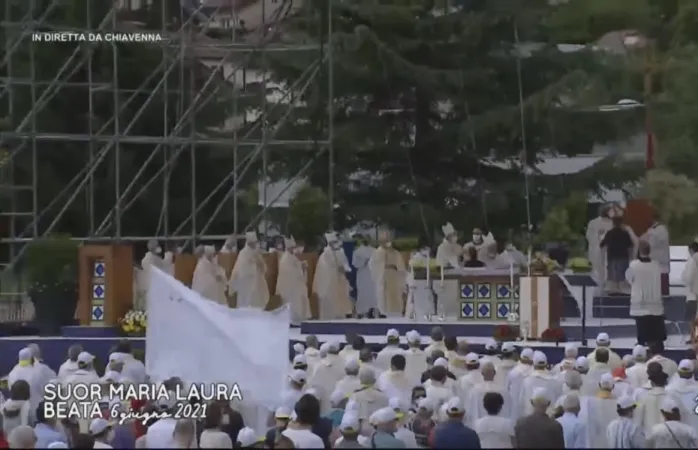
(25, 133)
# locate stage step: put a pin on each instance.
(618, 307)
(81, 331)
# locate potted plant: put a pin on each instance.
(51, 269)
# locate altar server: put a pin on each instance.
(596, 230)
(330, 283)
(248, 278)
(388, 271)
(540, 377)
(449, 252)
(420, 300)
(292, 282)
(484, 245)
(365, 287)
(209, 277)
(646, 305)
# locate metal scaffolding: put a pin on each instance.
(231, 56)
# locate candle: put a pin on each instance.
(428, 269)
(511, 276)
(442, 272)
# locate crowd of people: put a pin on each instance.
(443, 396)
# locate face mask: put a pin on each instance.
(158, 251)
(452, 239)
(509, 247)
(477, 237)
(225, 419)
(388, 244)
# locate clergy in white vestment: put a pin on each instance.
(248, 278)
(230, 245)
(540, 377)
(637, 374)
(391, 349)
(471, 377)
(509, 361)
(312, 350)
(685, 387)
(44, 374)
(403, 433)
(368, 398)
(209, 277)
(474, 399)
(574, 428)
(646, 305)
(292, 282)
(600, 410)
(367, 360)
(656, 353)
(657, 236)
(457, 360)
(674, 432)
(71, 363)
(573, 383)
(484, 245)
(603, 340)
(420, 299)
(622, 387)
(85, 375)
(567, 363)
(437, 341)
(365, 287)
(516, 378)
(449, 252)
(152, 258)
(623, 432)
(511, 256)
(326, 375)
(168, 264)
(689, 275)
(648, 413)
(437, 391)
(330, 283)
(394, 381)
(599, 369)
(495, 429)
(450, 382)
(389, 275)
(415, 357)
(490, 353)
(349, 383)
(596, 230)
(25, 370)
(293, 391)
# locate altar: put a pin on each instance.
(491, 295)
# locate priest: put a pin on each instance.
(484, 244)
(596, 230)
(230, 245)
(388, 271)
(151, 259)
(449, 252)
(292, 282)
(365, 288)
(248, 278)
(420, 298)
(209, 277)
(330, 283)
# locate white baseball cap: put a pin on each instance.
(606, 381)
(397, 406)
(540, 395)
(668, 405)
(25, 354)
(626, 402)
(383, 415)
(350, 422)
(582, 363)
(352, 364)
(508, 347)
(491, 344)
(298, 347)
(299, 376)
(454, 406)
(603, 339)
(413, 336)
(539, 358)
(300, 360)
(471, 358)
(334, 346)
(283, 412)
(85, 357)
(325, 348)
(442, 362)
(247, 437)
(98, 426)
(686, 365)
(117, 357)
(639, 351)
(392, 333)
(426, 403)
(527, 353)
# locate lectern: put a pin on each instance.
(105, 284)
(539, 304)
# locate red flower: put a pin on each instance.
(554, 335)
(505, 333)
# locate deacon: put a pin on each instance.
(388, 270)
(449, 252)
(365, 288)
(330, 283)
(248, 278)
(420, 299)
(485, 246)
(292, 282)
(209, 277)
(596, 230)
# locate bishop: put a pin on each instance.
(209, 277)
(292, 281)
(330, 283)
(388, 270)
(248, 278)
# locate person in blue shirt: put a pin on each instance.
(453, 433)
(338, 400)
(46, 429)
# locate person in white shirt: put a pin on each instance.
(44, 372)
(495, 430)
(25, 370)
(391, 349)
(471, 377)
(685, 387)
(71, 364)
(604, 341)
(474, 400)
(540, 377)
(491, 353)
(656, 352)
(567, 363)
(672, 433)
(648, 412)
(247, 438)
(102, 432)
(17, 411)
(416, 359)
(437, 341)
(657, 236)
(212, 436)
(516, 378)
(437, 391)
(637, 374)
(573, 428)
(509, 361)
(646, 305)
(402, 433)
(623, 432)
(449, 383)
(601, 368)
(394, 382)
(133, 370)
(306, 413)
(689, 277)
(294, 389)
(599, 411)
(169, 432)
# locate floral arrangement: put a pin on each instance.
(554, 335)
(579, 265)
(505, 333)
(134, 322)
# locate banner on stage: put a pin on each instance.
(201, 341)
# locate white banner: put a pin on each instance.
(201, 341)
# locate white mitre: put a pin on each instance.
(331, 237)
(448, 229)
(289, 242)
(251, 237)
